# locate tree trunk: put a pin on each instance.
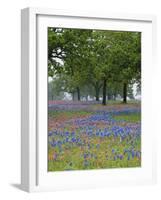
(97, 93)
(78, 93)
(104, 92)
(125, 93)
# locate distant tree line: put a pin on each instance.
(93, 63)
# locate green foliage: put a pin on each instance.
(88, 57)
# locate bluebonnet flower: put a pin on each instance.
(73, 139)
(113, 150)
(50, 133)
(97, 133)
(73, 133)
(138, 154)
(53, 144)
(85, 155)
(133, 153)
(121, 157)
(67, 133)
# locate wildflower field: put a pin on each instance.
(87, 135)
(94, 93)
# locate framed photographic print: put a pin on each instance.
(86, 99)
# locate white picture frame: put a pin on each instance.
(34, 175)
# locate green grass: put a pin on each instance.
(135, 117)
(69, 114)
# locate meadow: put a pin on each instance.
(87, 135)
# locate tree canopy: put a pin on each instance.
(94, 62)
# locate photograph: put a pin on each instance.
(94, 99)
